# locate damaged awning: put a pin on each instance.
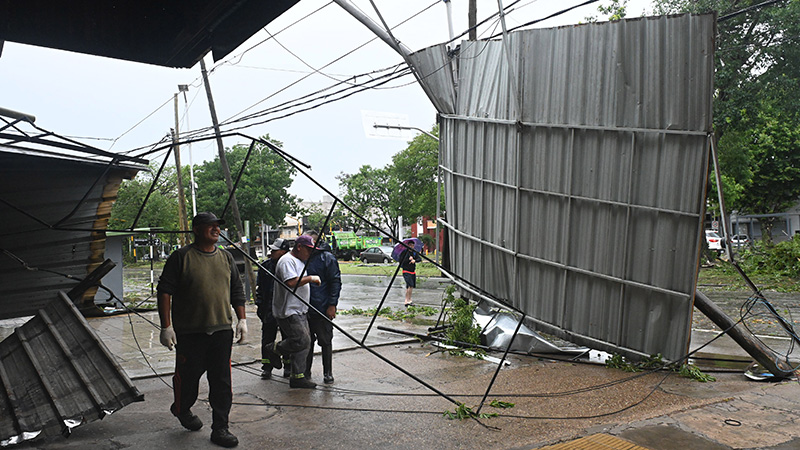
(55, 200)
(171, 34)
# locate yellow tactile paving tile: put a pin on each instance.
(596, 442)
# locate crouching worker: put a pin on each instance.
(198, 286)
(264, 291)
(292, 314)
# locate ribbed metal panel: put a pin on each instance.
(55, 374)
(584, 207)
(35, 194)
(433, 67)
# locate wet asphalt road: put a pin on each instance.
(366, 291)
(362, 291)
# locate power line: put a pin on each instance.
(226, 121)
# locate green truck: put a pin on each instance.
(347, 246)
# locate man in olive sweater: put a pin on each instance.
(198, 286)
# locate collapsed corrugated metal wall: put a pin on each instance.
(49, 206)
(55, 375)
(575, 164)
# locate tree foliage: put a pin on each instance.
(615, 10)
(372, 193)
(757, 77)
(406, 188)
(315, 218)
(161, 210)
(416, 171)
(775, 161)
(262, 192)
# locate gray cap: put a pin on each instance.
(280, 244)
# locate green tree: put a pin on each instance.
(616, 10)
(775, 183)
(416, 172)
(262, 192)
(161, 209)
(757, 76)
(315, 216)
(373, 194)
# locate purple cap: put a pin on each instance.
(305, 241)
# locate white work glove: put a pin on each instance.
(241, 331)
(168, 338)
(315, 279)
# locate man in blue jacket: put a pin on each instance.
(324, 298)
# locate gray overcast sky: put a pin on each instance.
(94, 97)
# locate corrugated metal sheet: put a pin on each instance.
(36, 192)
(55, 374)
(575, 183)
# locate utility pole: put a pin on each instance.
(472, 18)
(193, 188)
(250, 276)
(184, 222)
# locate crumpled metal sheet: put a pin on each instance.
(498, 329)
(55, 374)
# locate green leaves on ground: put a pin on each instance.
(465, 412)
(462, 328)
(656, 362)
(406, 313)
(501, 404)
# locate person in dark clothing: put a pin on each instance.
(324, 298)
(198, 286)
(408, 263)
(265, 284)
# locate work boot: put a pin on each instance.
(274, 358)
(190, 421)
(266, 374)
(224, 438)
(301, 383)
(328, 378)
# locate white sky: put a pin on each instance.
(88, 96)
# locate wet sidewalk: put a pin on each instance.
(134, 339)
(375, 405)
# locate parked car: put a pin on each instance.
(376, 255)
(714, 240)
(740, 240)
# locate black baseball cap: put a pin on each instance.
(204, 218)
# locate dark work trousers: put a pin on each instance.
(320, 330)
(295, 342)
(269, 331)
(197, 353)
